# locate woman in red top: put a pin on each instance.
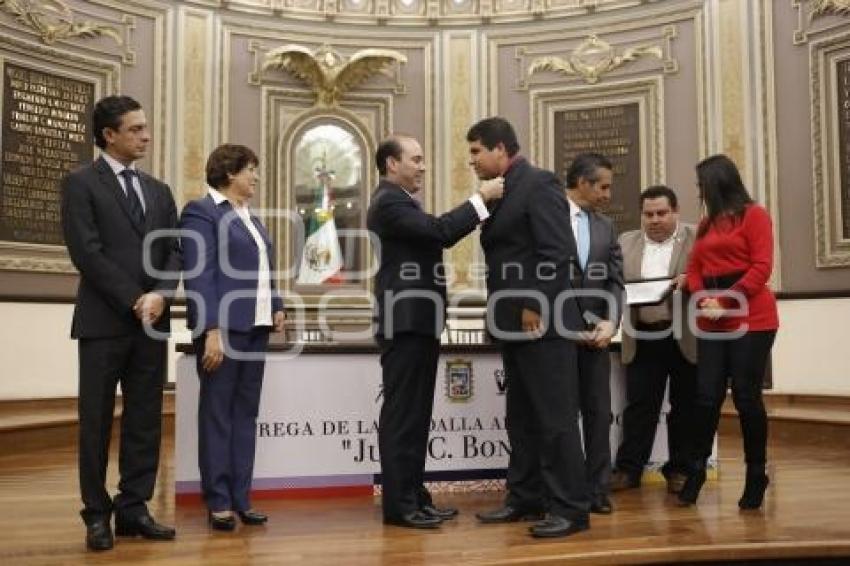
(728, 270)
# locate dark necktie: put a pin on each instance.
(136, 210)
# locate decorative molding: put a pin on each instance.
(328, 74)
(193, 102)
(429, 13)
(829, 7)
(592, 59)
(817, 9)
(53, 20)
(832, 249)
(459, 97)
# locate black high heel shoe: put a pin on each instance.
(251, 517)
(754, 488)
(222, 523)
(690, 491)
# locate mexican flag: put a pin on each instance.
(321, 260)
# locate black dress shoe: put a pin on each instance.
(99, 535)
(556, 526)
(621, 480)
(675, 480)
(690, 491)
(508, 514)
(601, 505)
(143, 526)
(222, 522)
(414, 520)
(251, 517)
(444, 513)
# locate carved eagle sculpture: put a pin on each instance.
(328, 74)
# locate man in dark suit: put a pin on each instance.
(411, 297)
(663, 345)
(528, 249)
(108, 208)
(600, 270)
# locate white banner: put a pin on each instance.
(317, 425)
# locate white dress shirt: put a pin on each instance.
(656, 263)
(117, 167)
(575, 211)
(263, 312)
(657, 256)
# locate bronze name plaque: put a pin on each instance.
(46, 133)
(843, 98)
(613, 131)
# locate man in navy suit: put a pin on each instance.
(600, 268)
(411, 297)
(108, 208)
(529, 250)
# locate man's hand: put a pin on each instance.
(213, 351)
(149, 307)
(680, 282)
(492, 189)
(602, 334)
(278, 319)
(711, 309)
(531, 321)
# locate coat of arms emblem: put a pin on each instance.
(459, 380)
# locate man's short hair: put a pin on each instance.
(108, 112)
(658, 191)
(493, 131)
(228, 159)
(390, 147)
(585, 166)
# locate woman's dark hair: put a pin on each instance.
(721, 191)
(493, 131)
(107, 113)
(228, 159)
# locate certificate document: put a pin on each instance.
(648, 291)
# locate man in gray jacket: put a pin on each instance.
(656, 343)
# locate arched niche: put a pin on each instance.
(326, 157)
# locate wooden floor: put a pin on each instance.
(807, 514)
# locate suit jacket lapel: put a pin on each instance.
(110, 181)
(633, 259)
(676, 256)
(236, 220)
(150, 201)
(512, 179)
(262, 230)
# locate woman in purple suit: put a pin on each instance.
(232, 307)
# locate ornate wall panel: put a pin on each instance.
(809, 43)
(113, 46)
(549, 105)
(830, 68)
(460, 89)
(194, 101)
(265, 102)
(656, 62)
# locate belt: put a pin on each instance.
(721, 281)
(659, 326)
